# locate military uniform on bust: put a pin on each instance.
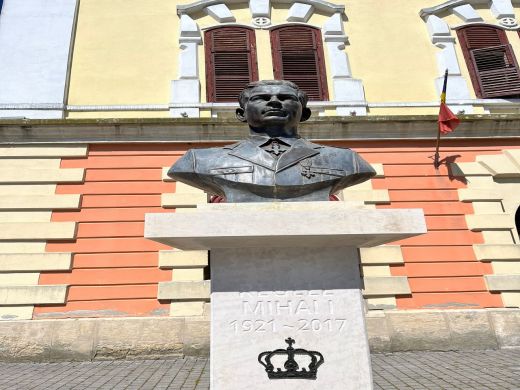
(273, 163)
(296, 166)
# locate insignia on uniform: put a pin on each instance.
(306, 169)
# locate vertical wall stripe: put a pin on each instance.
(71, 52)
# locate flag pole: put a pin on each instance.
(436, 161)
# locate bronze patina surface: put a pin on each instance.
(274, 163)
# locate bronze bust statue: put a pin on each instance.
(274, 163)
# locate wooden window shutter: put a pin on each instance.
(298, 57)
(491, 62)
(230, 62)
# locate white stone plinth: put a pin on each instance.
(302, 224)
(286, 270)
(262, 296)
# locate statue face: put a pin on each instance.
(273, 109)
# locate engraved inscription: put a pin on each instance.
(292, 307)
(287, 303)
(303, 311)
(259, 326)
(304, 325)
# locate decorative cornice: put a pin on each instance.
(425, 12)
(201, 4)
(226, 129)
(441, 7)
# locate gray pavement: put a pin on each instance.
(490, 370)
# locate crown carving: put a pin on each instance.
(292, 369)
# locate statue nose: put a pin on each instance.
(275, 102)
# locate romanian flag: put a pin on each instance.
(448, 121)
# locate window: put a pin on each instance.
(298, 57)
(491, 62)
(230, 62)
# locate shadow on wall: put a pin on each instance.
(448, 161)
(517, 220)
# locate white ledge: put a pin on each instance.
(277, 224)
(495, 103)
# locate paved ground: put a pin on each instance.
(490, 370)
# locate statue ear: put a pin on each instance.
(306, 114)
(239, 113)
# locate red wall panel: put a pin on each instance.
(115, 270)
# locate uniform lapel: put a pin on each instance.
(299, 151)
(248, 150)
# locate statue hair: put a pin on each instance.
(246, 92)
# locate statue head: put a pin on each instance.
(273, 107)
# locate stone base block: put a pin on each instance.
(120, 338)
(264, 297)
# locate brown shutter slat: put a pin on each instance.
(479, 37)
(498, 73)
(298, 57)
(491, 62)
(230, 62)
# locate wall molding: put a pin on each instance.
(494, 207)
(41, 133)
(198, 6)
(18, 110)
(498, 7)
(187, 292)
(27, 199)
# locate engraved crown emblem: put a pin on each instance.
(292, 369)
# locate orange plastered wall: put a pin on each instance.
(441, 267)
(115, 269)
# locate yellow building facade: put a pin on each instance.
(128, 55)
(100, 97)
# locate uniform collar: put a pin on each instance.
(249, 150)
(260, 140)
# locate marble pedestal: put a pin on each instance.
(286, 270)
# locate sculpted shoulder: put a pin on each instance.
(198, 160)
(350, 160)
